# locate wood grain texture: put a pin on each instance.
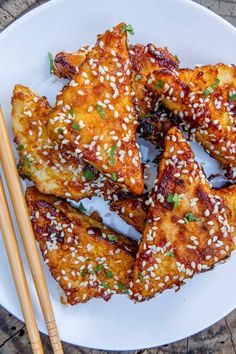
(217, 339)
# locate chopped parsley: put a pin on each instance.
(138, 77)
(81, 207)
(83, 273)
(113, 177)
(112, 153)
(211, 88)
(159, 84)
(51, 63)
(98, 268)
(173, 198)
(232, 98)
(109, 274)
(170, 253)
(127, 28)
(75, 126)
(112, 238)
(190, 217)
(20, 147)
(100, 111)
(88, 175)
(27, 161)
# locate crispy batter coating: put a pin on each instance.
(96, 115)
(132, 210)
(189, 225)
(52, 169)
(86, 258)
(144, 60)
(67, 64)
(205, 99)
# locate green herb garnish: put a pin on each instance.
(170, 253)
(211, 88)
(232, 97)
(190, 217)
(88, 175)
(113, 177)
(127, 28)
(176, 57)
(112, 238)
(159, 84)
(98, 268)
(140, 276)
(146, 115)
(100, 111)
(27, 161)
(75, 126)
(112, 152)
(105, 285)
(173, 198)
(60, 131)
(72, 112)
(122, 286)
(91, 271)
(51, 63)
(155, 161)
(81, 207)
(20, 147)
(138, 77)
(83, 273)
(109, 274)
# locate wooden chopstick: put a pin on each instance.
(24, 223)
(15, 262)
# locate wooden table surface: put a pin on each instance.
(219, 338)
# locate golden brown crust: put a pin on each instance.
(144, 60)
(86, 258)
(189, 225)
(95, 112)
(53, 169)
(132, 210)
(205, 99)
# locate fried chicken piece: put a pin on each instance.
(96, 116)
(53, 170)
(153, 120)
(132, 210)
(88, 259)
(205, 99)
(189, 227)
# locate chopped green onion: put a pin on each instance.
(211, 88)
(81, 207)
(109, 274)
(190, 217)
(170, 253)
(51, 63)
(27, 161)
(60, 130)
(232, 97)
(113, 177)
(72, 112)
(112, 238)
(88, 175)
(75, 126)
(159, 84)
(112, 152)
(83, 273)
(122, 286)
(173, 198)
(127, 28)
(138, 77)
(20, 147)
(104, 284)
(100, 111)
(140, 276)
(99, 267)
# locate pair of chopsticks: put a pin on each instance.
(27, 235)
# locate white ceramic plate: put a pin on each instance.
(197, 36)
